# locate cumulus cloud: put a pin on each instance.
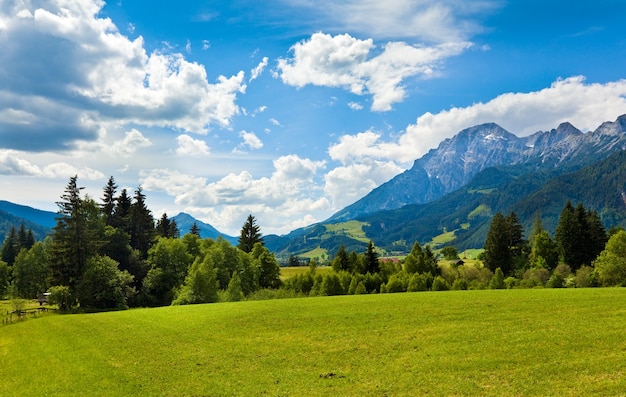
(12, 164)
(584, 105)
(132, 141)
(346, 62)
(286, 195)
(187, 146)
(355, 106)
(101, 70)
(250, 141)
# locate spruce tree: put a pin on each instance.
(371, 259)
(195, 230)
(108, 201)
(341, 260)
(497, 253)
(142, 224)
(250, 235)
(10, 247)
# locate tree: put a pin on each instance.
(341, 260)
(234, 292)
(25, 238)
(195, 230)
(10, 247)
(250, 235)
(504, 245)
(449, 253)
(580, 235)
(5, 273)
(610, 266)
(166, 227)
(269, 270)
(121, 214)
(108, 201)
(31, 271)
(371, 259)
(200, 284)
(169, 262)
(78, 235)
(142, 224)
(544, 251)
(104, 286)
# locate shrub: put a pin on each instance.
(60, 295)
(556, 281)
(417, 282)
(440, 284)
(497, 281)
(460, 284)
(395, 284)
(584, 277)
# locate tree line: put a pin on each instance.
(115, 255)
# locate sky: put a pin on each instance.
(288, 110)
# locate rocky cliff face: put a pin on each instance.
(456, 160)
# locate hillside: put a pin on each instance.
(463, 216)
(14, 215)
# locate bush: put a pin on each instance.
(497, 281)
(556, 281)
(584, 277)
(440, 284)
(418, 282)
(396, 284)
(460, 284)
(60, 295)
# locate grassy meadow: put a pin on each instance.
(492, 342)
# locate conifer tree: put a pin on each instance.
(108, 201)
(195, 230)
(371, 259)
(121, 214)
(250, 235)
(10, 247)
(497, 253)
(341, 260)
(142, 224)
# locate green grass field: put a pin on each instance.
(494, 342)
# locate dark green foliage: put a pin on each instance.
(505, 245)
(195, 230)
(142, 231)
(104, 286)
(166, 227)
(580, 235)
(449, 253)
(341, 260)
(108, 201)
(544, 251)
(169, 263)
(372, 264)
(418, 282)
(5, 273)
(78, 235)
(10, 247)
(250, 235)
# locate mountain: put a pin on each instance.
(462, 218)
(14, 215)
(46, 219)
(457, 160)
(185, 221)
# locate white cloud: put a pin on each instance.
(275, 122)
(355, 106)
(346, 184)
(425, 20)
(187, 146)
(250, 141)
(12, 164)
(584, 105)
(346, 62)
(101, 70)
(287, 196)
(206, 44)
(256, 72)
(132, 141)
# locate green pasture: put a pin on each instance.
(290, 271)
(547, 342)
(353, 229)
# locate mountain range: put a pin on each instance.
(449, 195)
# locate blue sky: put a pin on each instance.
(290, 109)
